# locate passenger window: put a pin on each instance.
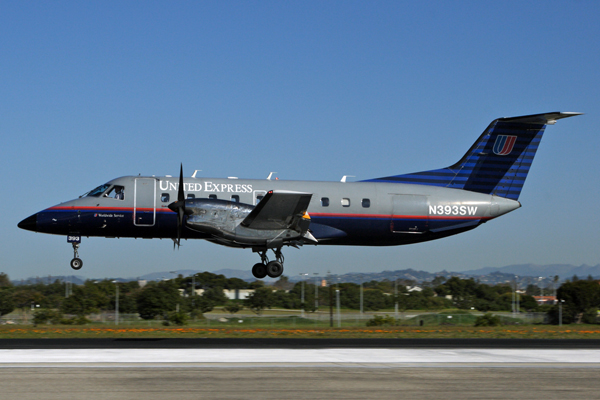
(325, 201)
(345, 202)
(212, 196)
(366, 203)
(259, 195)
(191, 196)
(235, 198)
(165, 197)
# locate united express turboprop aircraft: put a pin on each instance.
(269, 214)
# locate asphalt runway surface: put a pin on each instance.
(299, 369)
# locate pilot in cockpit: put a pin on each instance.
(117, 192)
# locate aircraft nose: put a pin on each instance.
(29, 223)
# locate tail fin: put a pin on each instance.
(497, 163)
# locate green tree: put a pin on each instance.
(284, 299)
(528, 303)
(176, 318)
(198, 305)
(259, 300)
(209, 280)
(204, 305)
(4, 281)
(7, 305)
(24, 297)
(378, 320)
(582, 297)
(533, 290)
(215, 295)
(463, 291)
(233, 307)
(157, 299)
(43, 316)
(437, 281)
(373, 300)
(256, 284)
(78, 304)
(488, 319)
(236, 283)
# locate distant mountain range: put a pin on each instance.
(527, 273)
(564, 271)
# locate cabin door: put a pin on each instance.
(410, 214)
(144, 203)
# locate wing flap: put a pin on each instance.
(278, 210)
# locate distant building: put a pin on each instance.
(238, 294)
(231, 294)
(543, 300)
(184, 293)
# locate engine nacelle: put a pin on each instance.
(215, 216)
(223, 219)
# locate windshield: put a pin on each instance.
(98, 191)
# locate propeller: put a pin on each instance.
(179, 207)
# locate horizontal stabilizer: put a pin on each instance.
(546, 119)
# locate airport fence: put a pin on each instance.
(299, 320)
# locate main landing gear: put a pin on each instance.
(273, 269)
(76, 262)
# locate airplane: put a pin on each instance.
(269, 214)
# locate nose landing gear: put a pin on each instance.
(76, 262)
(273, 269)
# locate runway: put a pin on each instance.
(228, 369)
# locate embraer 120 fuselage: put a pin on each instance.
(269, 214)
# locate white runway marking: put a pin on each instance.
(416, 357)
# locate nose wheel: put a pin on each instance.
(272, 269)
(76, 262)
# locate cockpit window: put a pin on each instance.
(98, 191)
(117, 192)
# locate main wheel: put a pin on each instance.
(259, 270)
(76, 263)
(274, 269)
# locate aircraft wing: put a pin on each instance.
(278, 210)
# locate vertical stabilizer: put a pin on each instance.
(497, 163)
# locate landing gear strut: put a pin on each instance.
(273, 269)
(76, 262)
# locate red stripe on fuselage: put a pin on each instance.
(387, 216)
(109, 209)
(316, 215)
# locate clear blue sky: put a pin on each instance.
(311, 89)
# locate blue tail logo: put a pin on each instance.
(504, 144)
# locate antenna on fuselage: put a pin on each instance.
(347, 176)
(195, 172)
(270, 175)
